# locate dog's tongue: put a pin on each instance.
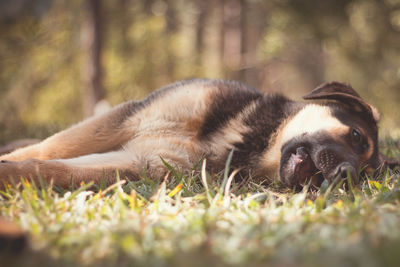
(302, 164)
(297, 160)
(300, 156)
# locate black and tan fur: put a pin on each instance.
(272, 136)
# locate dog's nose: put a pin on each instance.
(346, 170)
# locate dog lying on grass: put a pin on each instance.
(272, 137)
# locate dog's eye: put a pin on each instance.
(355, 136)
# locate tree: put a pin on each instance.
(92, 45)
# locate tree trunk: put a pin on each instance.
(92, 46)
(170, 31)
(202, 8)
(221, 25)
(243, 41)
(232, 37)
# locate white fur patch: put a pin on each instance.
(104, 160)
(311, 119)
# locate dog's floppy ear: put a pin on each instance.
(345, 94)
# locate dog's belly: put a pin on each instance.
(168, 128)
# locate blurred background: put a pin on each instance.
(58, 58)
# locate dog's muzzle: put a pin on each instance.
(334, 166)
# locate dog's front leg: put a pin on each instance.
(95, 167)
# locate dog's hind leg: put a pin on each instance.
(64, 172)
(98, 134)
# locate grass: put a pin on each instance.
(194, 219)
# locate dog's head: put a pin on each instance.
(334, 139)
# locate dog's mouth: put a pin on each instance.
(301, 165)
(302, 168)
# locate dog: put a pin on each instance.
(333, 136)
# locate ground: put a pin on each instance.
(194, 219)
